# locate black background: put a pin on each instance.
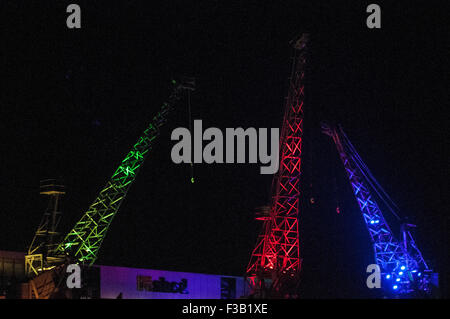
(74, 101)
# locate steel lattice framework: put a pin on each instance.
(46, 239)
(401, 262)
(84, 240)
(275, 260)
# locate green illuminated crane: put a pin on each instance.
(84, 240)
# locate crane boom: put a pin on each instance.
(275, 262)
(84, 240)
(403, 269)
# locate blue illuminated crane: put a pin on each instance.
(403, 269)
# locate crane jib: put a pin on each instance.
(83, 242)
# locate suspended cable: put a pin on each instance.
(190, 130)
(374, 187)
(370, 178)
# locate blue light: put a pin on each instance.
(397, 261)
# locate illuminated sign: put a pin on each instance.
(145, 283)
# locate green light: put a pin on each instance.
(192, 180)
(85, 239)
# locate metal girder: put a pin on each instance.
(403, 269)
(84, 240)
(275, 262)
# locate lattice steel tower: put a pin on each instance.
(404, 270)
(84, 240)
(273, 271)
(41, 252)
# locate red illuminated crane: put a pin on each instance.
(275, 262)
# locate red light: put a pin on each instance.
(279, 242)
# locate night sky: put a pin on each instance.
(74, 101)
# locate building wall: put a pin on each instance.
(131, 283)
(134, 283)
(12, 264)
(12, 271)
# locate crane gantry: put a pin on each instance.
(83, 242)
(274, 267)
(275, 263)
(403, 269)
